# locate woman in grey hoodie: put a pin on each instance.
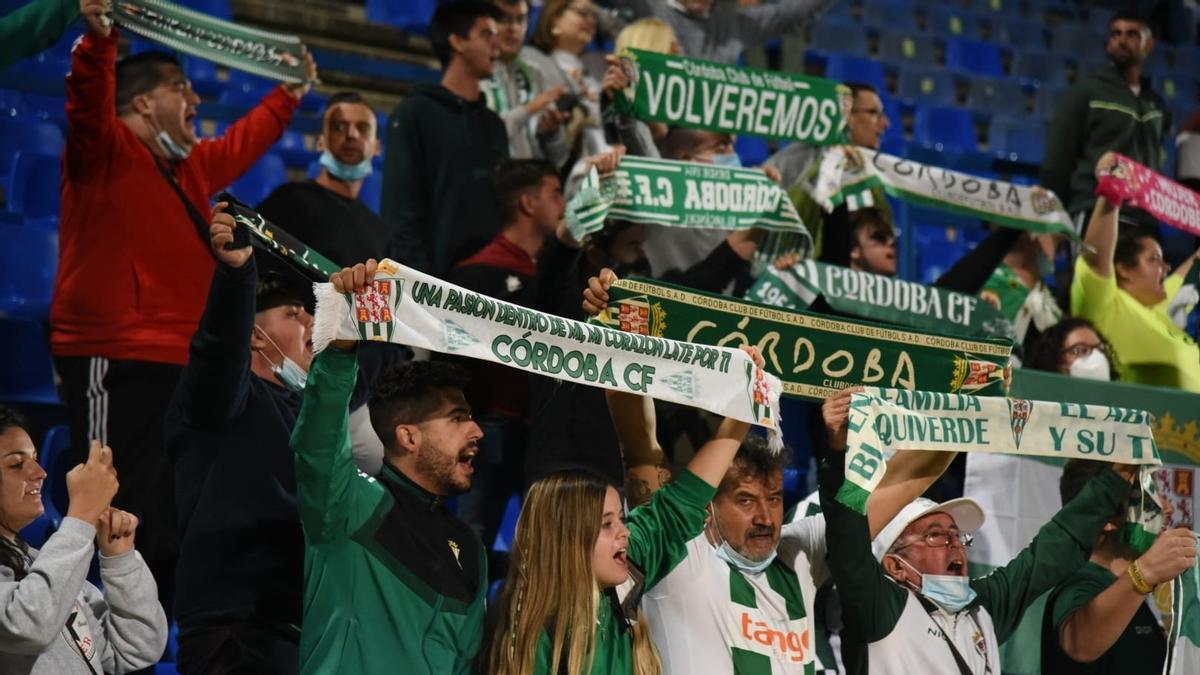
(51, 619)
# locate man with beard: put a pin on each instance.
(908, 604)
(392, 578)
(1112, 110)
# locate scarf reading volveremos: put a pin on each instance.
(879, 298)
(846, 175)
(272, 55)
(814, 355)
(701, 94)
(1162, 197)
(682, 194)
(885, 420)
(407, 307)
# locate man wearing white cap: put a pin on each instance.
(912, 607)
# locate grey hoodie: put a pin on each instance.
(41, 616)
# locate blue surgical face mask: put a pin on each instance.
(728, 160)
(725, 552)
(289, 373)
(1045, 265)
(348, 173)
(951, 592)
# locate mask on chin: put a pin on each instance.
(174, 150)
(729, 160)
(288, 372)
(727, 553)
(347, 173)
(951, 592)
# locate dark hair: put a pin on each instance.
(274, 290)
(1131, 13)
(14, 554)
(141, 73)
(858, 87)
(869, 217)
(1077, 473)
(756, 460)
(514, 178)
(457, 18)
(681, 142)
(1129, 244)
(408, 393)
(1047, 352)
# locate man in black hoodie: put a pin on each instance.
(442, 146)
(240, 573)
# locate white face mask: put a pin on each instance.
(1094, 366)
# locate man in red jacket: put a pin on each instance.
(134, 262)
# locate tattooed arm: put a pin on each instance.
(645, 463)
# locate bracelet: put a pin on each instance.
(1139, 582)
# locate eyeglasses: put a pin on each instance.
(1082, 350)
(942, 539)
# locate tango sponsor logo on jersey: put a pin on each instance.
(788, 641)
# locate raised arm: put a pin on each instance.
(217, 378)
(35, 27)
(760, 24)
(645, 462)
(1091, 630)
(133, 621)
(1100, 242)
(91, 97)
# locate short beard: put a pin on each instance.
(439, 470)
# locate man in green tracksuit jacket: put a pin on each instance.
(1113, 109)
(35, 27)
(393, 582)
(903, 616)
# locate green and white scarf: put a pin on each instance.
(272, 55)
(883, 421)
(815, 355)
(880, 298)
(408, 307)
(683, 194)
(847, 174)
(699, 94)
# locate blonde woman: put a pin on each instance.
(560, 611)
(651, 35)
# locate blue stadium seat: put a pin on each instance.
(1019, 32)
(34, 184)
(975, 57)
(844, 37)
(217, 8)
(26, 369)
(1071, 38)
(856, 69)
(1039, 68)
(752, 150)
(292, 148)
(269, 173)
(1187, 58)
(952, 22)
(927, 86)
(1045, 100)
(28, 263)
(1017, 139)
(1160, 59)
(27, 135)
(203, 75)
(1177, 89)
(508, 525)
(409, 15)
(945, 129)
(897, 47)
(893, 139)
(889, 15)
(46, 108)
(996, 96)
(1002, 8)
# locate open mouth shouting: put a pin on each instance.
(620, 559)
(466, 459)
(957, 567)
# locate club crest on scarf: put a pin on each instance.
(636, 315)
(972, 375)
(1018, 414)
(374, 308)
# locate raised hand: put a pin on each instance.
(836, 411)
(1172, 552)
(92, 485)
(595, 296)
(95, 14)
(299, 89)
(352, 280)
(221, 233)
(114, 532)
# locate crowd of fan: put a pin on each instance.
(291, 510)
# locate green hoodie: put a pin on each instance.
(393, 582)
(437, 197)
(34, 28)
(1100, 113)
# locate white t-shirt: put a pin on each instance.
(705, 616)
(916, 644)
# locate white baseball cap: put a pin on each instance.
(966, 512)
